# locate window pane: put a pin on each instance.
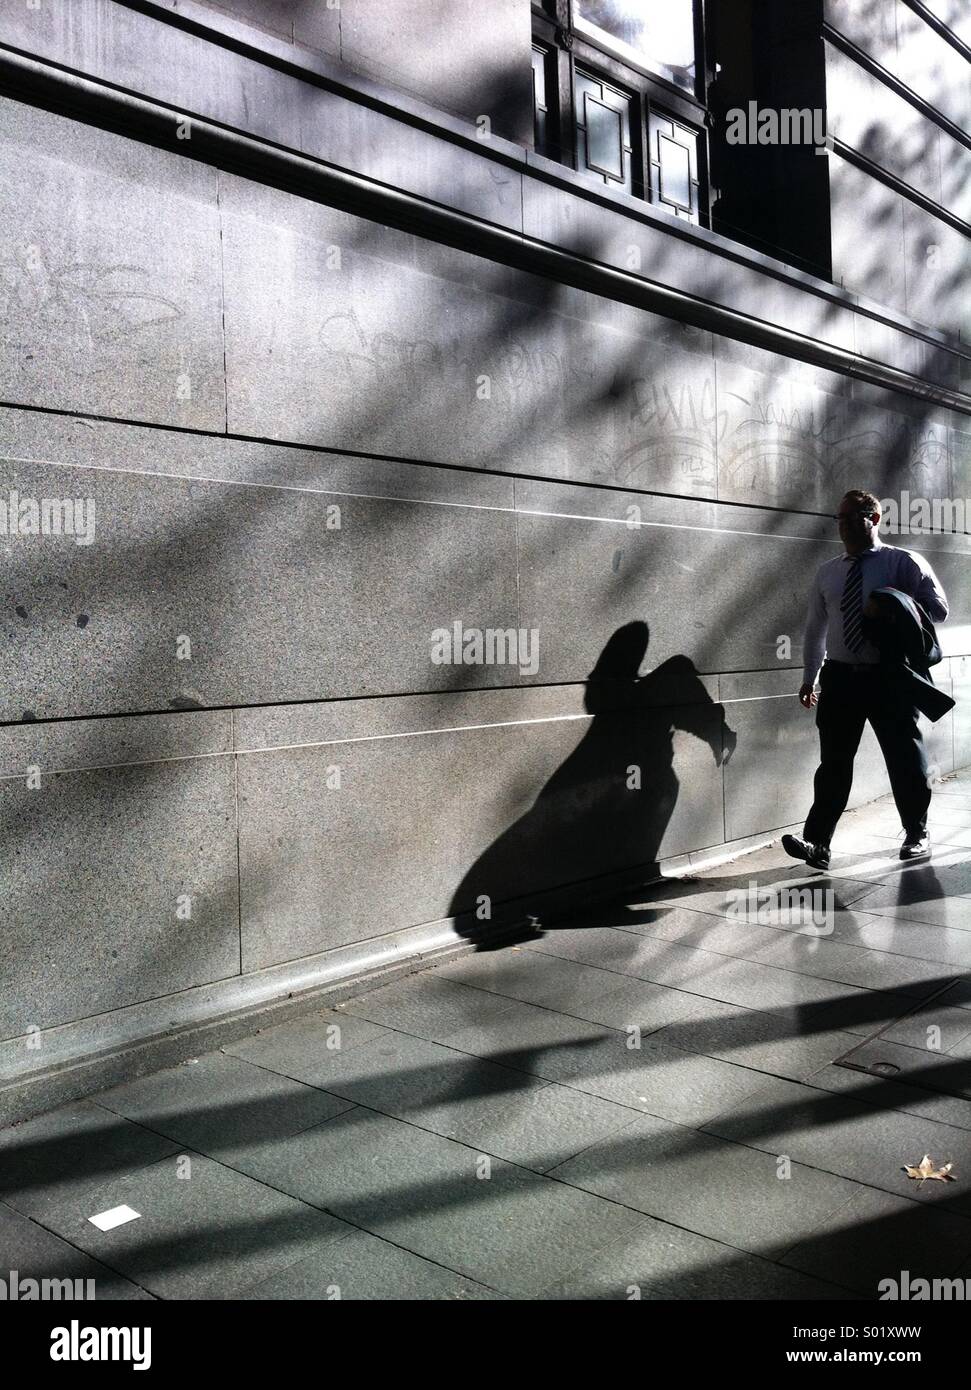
(675, 173)
(657, 33)
(539, 100)
(604, 150)
(603, 130)
(674, 166)
(539, 78)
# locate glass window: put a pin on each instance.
(674, 166)
(540, 103)
(603, 130)
(658, 34)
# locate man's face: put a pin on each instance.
(857, 524)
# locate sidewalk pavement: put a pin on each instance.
(643, 1102)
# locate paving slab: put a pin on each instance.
(513, 1230)
(651, 1077)
(717, 891)
(952, 835)
(364, 1267)
(526, 1034)
(879, 862)
(35, 1253)
(726, 1191)
(202, 1229)
(68, 1151)
(835, 1134)
(660, 1261)
(428, 1006)
(863, 1012)
(650, 1006)
(791, 1047)
(928, 946)
(732, 980)
(934, 1027)
(526, 975)
(959, 995)
(217, 1102)
(307, 1049)
(936, 1073)
(423, 1082)
(876, 1235)
(543, 1126)
(799, 946)
(900, 1090)
(616, 949)
(921, 903)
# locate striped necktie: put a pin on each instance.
(851, 606)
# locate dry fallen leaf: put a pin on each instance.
(927, 1170)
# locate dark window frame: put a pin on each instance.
(568, 50)
(634, 118)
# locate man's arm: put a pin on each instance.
(814, 638)
(927, 589)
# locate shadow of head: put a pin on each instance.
(617, 667)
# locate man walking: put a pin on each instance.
(851, 690)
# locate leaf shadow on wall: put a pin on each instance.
(606, 809)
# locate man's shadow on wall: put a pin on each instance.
(605, 810)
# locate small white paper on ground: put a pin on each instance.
(117, 1216)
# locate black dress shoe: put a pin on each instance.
(816, 856)
(916, 847)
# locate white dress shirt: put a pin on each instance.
(881, 565)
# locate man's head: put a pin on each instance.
(859, 517)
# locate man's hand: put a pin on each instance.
(807, 696)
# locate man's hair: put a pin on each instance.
(864, 500)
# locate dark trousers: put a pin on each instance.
(847, 699)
